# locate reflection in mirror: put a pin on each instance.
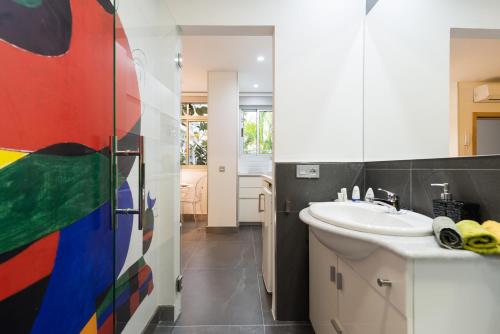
(432, 79)
(475, 92)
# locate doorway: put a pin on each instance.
(228, 79)
(486, 133)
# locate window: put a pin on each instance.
(194, 136)
(256, 131)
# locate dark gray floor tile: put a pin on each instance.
(266, 300)
(258, 256)
(257, 234)
(222, 255)
(289, 329)
(187, 249)
(257, 242)
(190, 233)
(211, 330)
(220, 297)
(244, 234)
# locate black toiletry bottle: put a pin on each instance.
(456, 210)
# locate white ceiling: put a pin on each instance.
(201, 54)
(475, 59)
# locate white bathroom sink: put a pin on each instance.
(372, 218)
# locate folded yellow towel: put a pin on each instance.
(477, 239)
(493, 227)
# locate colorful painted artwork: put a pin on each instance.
(59, 257)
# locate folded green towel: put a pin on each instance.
(477, 239)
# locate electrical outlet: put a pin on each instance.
(308, 171)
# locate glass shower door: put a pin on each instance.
(89, 169)
(56, 101)
(146, 162)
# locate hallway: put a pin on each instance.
(223, 287)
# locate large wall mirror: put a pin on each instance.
(432, 79)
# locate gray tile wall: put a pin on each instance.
(471, 179)
(292, 266)
(475, 180)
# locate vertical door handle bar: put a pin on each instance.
(142, 177)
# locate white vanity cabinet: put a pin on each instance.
(427, 291)
(346, 298)
(323, 293)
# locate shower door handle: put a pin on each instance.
(142, 177)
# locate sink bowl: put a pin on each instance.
(372, 218)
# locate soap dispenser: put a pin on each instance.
(448, 207)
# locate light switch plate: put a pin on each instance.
(308, 171)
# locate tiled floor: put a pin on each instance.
(223, 288)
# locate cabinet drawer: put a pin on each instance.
(250, 182)
(383, 264)
(250, 192)
(248, 211)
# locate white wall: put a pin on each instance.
(223, 148)
(407, 73)
(318, 69)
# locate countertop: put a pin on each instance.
(407, 247)
(268, 177)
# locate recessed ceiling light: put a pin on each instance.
(260, 59)
(255, 85)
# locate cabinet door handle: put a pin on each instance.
(340, 281)
(336, 326)
(333, 274)
(260, 202)
(384, 282)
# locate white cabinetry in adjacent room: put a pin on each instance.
(249, 195)
(266, 208)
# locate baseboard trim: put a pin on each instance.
(189, 217)
(222, 229)
(162, 313)
(250, 224)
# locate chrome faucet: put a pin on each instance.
(391, 202)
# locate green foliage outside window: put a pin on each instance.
(194, 134)
(257, 131)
